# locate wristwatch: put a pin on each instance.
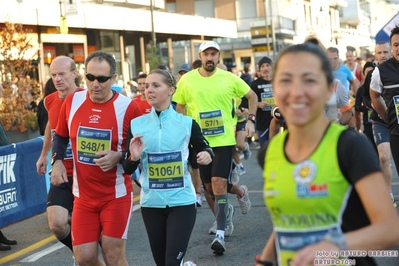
(252, 118)
(337, 239)
(55, 158)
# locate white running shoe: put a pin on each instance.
(244, 202)
(393, 201)
(189, 263)
(202, 193)
(74, 261)
(234, 175)
(218, 245)
(247, 152)
(213, 229)
(229, 223)
(199, 200)
(241, 169)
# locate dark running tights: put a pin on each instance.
(169, 230)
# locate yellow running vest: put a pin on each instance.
(306, 200)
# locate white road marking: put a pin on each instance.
(36, 256)
(40, 254)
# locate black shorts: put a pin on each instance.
(240, 126)
(380, 132)
(61, 196)
(220, 166)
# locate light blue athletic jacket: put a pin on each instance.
(167, 132)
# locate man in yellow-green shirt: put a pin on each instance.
(207, 92)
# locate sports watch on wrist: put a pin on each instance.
(252, 118)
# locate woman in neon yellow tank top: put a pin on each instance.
(323, 185)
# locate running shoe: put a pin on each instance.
(74, 261)
(229, 223)
(189, 263)
(393, 201)
(244, 202)
(213, 229)
(234, 175)
(241, 169)
(247, 152)
(218, 245)
(255, 145)
(199, 200)
(202, 193)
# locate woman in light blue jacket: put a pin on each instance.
(160, 141)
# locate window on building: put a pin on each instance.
(308, 14)
(205, 8)
(171, 7)
(246, 9)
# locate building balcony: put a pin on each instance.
(158, 4)
(283, 27)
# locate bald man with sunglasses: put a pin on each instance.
(96, 121)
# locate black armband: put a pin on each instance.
(135, 163)
(124, 155)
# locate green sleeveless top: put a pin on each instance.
(306, 200)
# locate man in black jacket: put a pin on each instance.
(383, 91)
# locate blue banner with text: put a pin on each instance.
(23, 193)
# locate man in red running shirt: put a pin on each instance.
(140, 99)
(97, 121)
(60, 198)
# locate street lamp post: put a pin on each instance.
(267, 28)
(63, 25)
(273, 35)
(154, 39)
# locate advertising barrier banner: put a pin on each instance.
(23, 193)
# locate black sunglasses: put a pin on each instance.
(100, 79)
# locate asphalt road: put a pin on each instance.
(36, 245)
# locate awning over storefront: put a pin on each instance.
(108, 17)
(385, 32)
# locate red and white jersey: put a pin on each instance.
(94, 127)
(53, 104)
(144, 105)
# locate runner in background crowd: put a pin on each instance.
(60, 198)
(379, 126)
(361, 107)
(384, 92)
(208, 94)
(140, 98)
(357, 71)
(263, 89)
(343, 74)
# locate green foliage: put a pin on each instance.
(152, 56)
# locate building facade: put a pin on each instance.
(123, 28)
(345, 24)
(245, 29)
